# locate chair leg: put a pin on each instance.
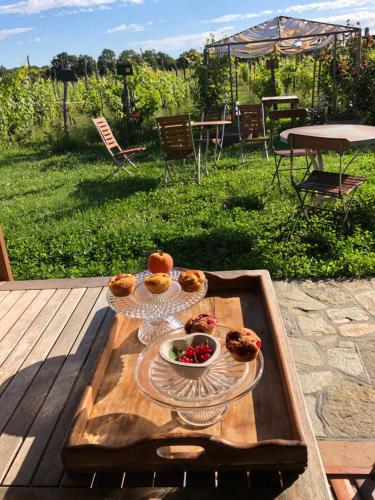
(276, 173)
(242, 155)
(266, 149)
(166, 170)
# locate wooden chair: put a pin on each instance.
(210, 113)
(321, 184)
(299, 114)
(177, 143)
(250, 126)
(120, 157)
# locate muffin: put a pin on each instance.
(243, 344)
(191, 280)
(122, 285)
(202, 323)
(158, 283)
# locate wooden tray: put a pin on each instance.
(116, 428)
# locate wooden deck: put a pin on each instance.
(50, 334)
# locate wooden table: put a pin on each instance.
(207, 124)
(50, 335)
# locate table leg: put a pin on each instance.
(216, 144)
(207, 145)
(318, 164)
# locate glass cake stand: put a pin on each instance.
(157, 310)
(200, 402)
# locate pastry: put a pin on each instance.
(122, 285)
(191, 280)
(202, 323)
(243, 344)
(157, 283)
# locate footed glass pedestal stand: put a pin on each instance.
(198, 402)
(157, 310)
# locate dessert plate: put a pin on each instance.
(203, 401)
(158, 310)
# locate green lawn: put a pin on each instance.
(62, 218)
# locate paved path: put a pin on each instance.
(332, 330)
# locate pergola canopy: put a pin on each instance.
(284, 35)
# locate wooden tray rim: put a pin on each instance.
(274, 317)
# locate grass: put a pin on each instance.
(62, 217)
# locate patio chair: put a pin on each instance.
(120, 157)
(322, 185)
(210, 113)
(177, 143)
(299, 114)
(250, 126)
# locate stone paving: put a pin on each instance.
(332, 329)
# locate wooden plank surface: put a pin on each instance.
(54, 283)
(46, 468)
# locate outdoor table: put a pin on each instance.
(63, 324)
(267, 102)
(207, 124)
(357, 135)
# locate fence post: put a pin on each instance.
(5, 269)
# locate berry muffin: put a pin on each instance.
(243, 344)
(158, 283)
(191, 280)
(202, 323)
(122, 285)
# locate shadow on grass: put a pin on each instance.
(100, 191)
(215, 250)
(250, 202)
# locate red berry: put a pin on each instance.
(258, 344)
(190, 352)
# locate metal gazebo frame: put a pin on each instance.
(224, 47)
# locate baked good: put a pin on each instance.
(158, 282)
(202, 323)
(243, 344)
(122, 285)
(191, 280)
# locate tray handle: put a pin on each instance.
(180, 452)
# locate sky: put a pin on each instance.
(43, 28)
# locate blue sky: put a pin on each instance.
(43, 28)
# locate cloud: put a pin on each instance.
(127, 27)
(367, 17)
(175, 43)
(238, 17)
(82, 10)
(35, 6)
(332, 5)
(14, 31)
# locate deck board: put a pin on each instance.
(15, 335)
(10, 318)
(18, 355)
(54, 385)
(63, 324)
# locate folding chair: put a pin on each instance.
(250, 126)
(324, 185)
(177, 143)
(299, 114)
(211, 113)
(122, 157)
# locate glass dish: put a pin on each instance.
(200, 402)
(158, 310)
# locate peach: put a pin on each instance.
(160, 262)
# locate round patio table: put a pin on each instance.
(357, 135)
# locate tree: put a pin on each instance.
(85, 65)
(64, 61)
(188, 58)
(3, 71)
(151, 58)
(165, 61)
(130, 56)
(106, 61)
